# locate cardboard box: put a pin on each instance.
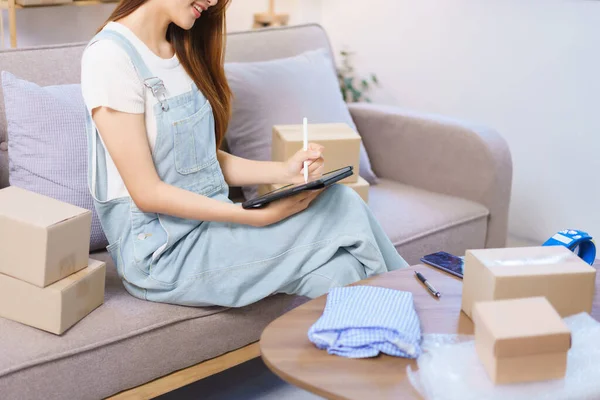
(42, 240)
(521, 340)
(361, 187)
(57, 307)
(342, 145)
(553, 272)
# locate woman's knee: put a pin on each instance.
(350, 275)
(347, 270)
(341, 194)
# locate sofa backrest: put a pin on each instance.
(60, 64)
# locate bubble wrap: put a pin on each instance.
(449, 369)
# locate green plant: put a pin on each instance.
(353, 89)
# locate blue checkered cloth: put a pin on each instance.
(362, 321)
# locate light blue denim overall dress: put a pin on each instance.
(162, 258)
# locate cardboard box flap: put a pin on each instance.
(519, 256)
(521, 327)
(541, 260)
(331, 131)
(36, 209)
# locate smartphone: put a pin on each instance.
(446, 262)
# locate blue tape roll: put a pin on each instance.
(575, 240)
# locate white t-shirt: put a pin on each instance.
(108, 78)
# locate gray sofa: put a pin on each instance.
(445, 185)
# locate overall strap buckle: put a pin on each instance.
(159, 91)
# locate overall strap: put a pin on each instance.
(98, 188)
(152, 82)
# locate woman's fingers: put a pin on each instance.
(314, 165)
(316, 147)
(318, 171)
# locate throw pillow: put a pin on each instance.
(47, 144)
(283, 91)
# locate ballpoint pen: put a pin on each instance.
(428, 285)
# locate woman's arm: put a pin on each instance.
(243, 172)
(124, 135)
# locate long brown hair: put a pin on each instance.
(201, 52)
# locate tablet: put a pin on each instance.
(325, 180)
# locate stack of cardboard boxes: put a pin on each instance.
(47, 280)
(517, 299)
(342, 149)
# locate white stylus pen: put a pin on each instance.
(305, 149)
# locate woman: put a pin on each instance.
(158, 106)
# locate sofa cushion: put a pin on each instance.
(282, 92)
(46, 65)
(124, 343)
(420, 222)
(48, 146)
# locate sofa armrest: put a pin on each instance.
(440, 155)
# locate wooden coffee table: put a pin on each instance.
(286, 350)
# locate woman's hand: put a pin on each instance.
(294, 167)
(282, 209)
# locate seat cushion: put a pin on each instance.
(124, 343)
(420, 222)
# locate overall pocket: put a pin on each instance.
(194, 141)
(114, 249)
(195, 152)
(148, 235)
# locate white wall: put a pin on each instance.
(51, 25)
(530, 69)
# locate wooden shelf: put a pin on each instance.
(4, 4)
(11, 6)
(270, 18)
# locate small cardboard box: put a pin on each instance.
(361, 187)
(553, 272)
(42, 240)
(342, 145)
(57, 307)
(521, 340)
